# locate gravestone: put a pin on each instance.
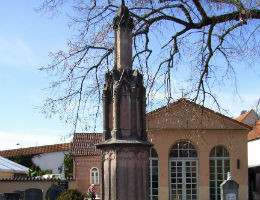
(12, 196)
(54, 192)
(2, 197)
(64, 184)
(229, 190)
(21, 193)
(33, 194)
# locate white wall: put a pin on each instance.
(253, 153)
(52, 160)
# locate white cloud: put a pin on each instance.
(14, 51)
(9, 140)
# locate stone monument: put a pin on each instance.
(229, 189)
(125, 149)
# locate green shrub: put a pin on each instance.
(71, 194)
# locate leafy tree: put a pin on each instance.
(197, 43)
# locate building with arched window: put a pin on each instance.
(194, 149)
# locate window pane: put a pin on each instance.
(219, 165)
(154, 173)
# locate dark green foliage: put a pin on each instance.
(25, 160)
(71, 194)
(68, 164)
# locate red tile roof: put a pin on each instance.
(84, 144)
(255, 133)
(243, 116)
(36, 150)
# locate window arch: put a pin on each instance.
(154, 175)
(183, 164)
(219, 166)
(94, 176)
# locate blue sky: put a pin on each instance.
(26, 37)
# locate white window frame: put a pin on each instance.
(183, 160)
(215, 159)
(151, 159)
(95, 178)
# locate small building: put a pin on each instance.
(46, 157)
(87, 161)
(251, 118)
(194, 149)
(10, 169)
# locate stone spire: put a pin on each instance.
(125, 149)
(123, 25)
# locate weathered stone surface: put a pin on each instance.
(229, 190)
(12, 196)
(124, 147)
(54, 192)
(2, 197)
(33, 194)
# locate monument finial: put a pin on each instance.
(123, 18)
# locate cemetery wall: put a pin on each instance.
(10, 185)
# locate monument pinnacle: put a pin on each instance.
(123, 25)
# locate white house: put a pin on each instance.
(46, 157)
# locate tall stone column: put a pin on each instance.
(125, 149)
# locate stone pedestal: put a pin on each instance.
(125, 174)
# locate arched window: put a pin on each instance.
(183, 161)
(154, 175)
(219, 166)
(94, 176)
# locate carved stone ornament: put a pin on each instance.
(123, 18)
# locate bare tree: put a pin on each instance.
(188, 45)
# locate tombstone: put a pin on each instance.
(229, 190)
(21, 193)
(64, 184)
(12, 196)
(33, 194)
(2, 197)
(54, 192)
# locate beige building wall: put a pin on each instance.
(163, 140)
